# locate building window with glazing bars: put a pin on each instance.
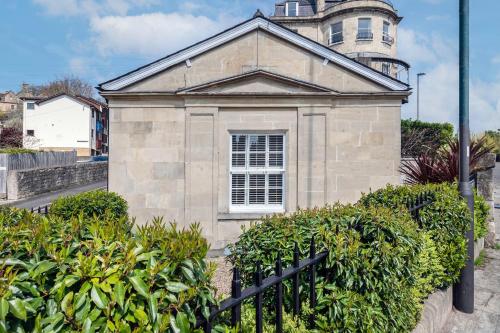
(257, 173)
(336, 33)
(386, 68)
(386, 35)
(292, 8)
(365, 29)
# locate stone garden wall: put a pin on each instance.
(26, 183)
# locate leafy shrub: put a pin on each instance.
(481, 216)
(94, 275)
(442, 165)
(494, 138)
(367, 284)
(94, 203)
(446, 221)
(11, 137)
(419, 137)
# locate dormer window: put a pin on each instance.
(365, 29)
(336, 33)
(292, 8)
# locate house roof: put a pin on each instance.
(79, 98)
(255, 23)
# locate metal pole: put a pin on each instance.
(418, 96)
(463, 291)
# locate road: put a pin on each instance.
(47, 198)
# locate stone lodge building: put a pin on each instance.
(255, 120)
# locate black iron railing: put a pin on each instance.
(261, 285)
(387, 39)
(364, 35)
(416, 205)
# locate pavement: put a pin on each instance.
(46, 198)
(486, 316)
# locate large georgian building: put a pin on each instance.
(264, 117)
(365, 30)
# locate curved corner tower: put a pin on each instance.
(365, 30)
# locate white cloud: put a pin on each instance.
(92, 7)
(496, 59)
(438, 57)
(154, 34)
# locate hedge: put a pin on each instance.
(382, 264)
(372, 270)
(94, 275)
(446, 220)
(419, 137)
(91, 204)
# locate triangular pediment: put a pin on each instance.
(238, 32)
(257, 82)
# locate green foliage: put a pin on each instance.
(480, 259)
(92, 274)
(494, 137)
(94, 203)
(419, 137)
(481, 216)
(291, 324)
(370, 273)
(445, 221)
(12, 151)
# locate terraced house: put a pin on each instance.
(273, 114)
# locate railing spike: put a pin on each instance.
(312, 249)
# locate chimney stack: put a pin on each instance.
(320, 5)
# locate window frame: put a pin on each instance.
(30, 106)
(30, 132)
(341, 33)
(247, 170)
(287, 6)
(388, 68)
(369, 31)
(386, 35)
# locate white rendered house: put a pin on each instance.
(65, 122)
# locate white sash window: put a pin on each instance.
(257, 171)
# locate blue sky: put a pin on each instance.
(99, 39)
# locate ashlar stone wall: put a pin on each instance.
(27, 183)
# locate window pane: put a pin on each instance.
(238, 160)
(337, 27)
(365, 24)
(292, 8)
(258, 160)
(257, 191)
(257, 143)
(275, 180)
(276, 143)
(386, 28)
(275, 160)
(238, 189)
(239, 143)
(275, 195)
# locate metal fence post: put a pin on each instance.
(279, 296)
